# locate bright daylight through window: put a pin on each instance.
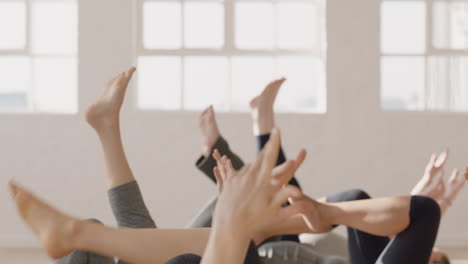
(424, 64)
(38, 56)
(193, 53)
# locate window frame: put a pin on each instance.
(430, 51)
(26, 51)
(229, 49)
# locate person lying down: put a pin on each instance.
(243, 218)
(431, 184)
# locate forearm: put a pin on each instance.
(226, 246)
(140, 245)
(382, 217)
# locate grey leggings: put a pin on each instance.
(130, 211)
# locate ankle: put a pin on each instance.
(75, 230)
(111, 125)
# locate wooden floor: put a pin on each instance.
(35, 256)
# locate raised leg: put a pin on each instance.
(61, 234)
(263, 117)
(211, 140)
(83, 257)
(414, 244)
(362, 247)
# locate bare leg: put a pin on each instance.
(262, 108)
(104, 117)
(61, 234)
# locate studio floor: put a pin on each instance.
(36, 256)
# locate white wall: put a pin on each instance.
(354, 145)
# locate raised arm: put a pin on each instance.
(248, 199)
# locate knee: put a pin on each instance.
(425, 208)
(349, 195)
(356, 194)
(185, 259)
(94, 220)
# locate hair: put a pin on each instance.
(445, 259)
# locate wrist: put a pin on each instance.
(229, 232)
(446, 200)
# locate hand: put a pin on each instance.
(454, 185)
(432, 182)
(224, 168)
(252, 196)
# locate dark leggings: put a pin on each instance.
(412, 246)
(261, 142)
(206, 165)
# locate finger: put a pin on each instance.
(441, 159)
(129, 73)
(283, 173)
(221, 169)
(230, 168)
(439, 176)
(270, 157)
(282, 195)
(13, 188)
(431, 162)
(219, 180)
(300, 158)
(216, 155)
(454, 175)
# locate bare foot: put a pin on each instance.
(454, 185)
(313, 213)
(209, 130)
(262, 108)
(55, 230)
(105, 112)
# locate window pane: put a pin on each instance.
(254, 25)
(249, 76)
(450, 25)
(159, 81)
(403, 27)
(402, 83)
(15, 80)
(55, 85)
(447, 82)
(204, 25)
(54, 27)
(162, 26)
(206, 82)
(298, 25)
(12, 24)
(304, 86)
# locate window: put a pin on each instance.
(192, 53)
(424, 61)
(38, 56)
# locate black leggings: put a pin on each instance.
(261, 142)
(412, 246)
